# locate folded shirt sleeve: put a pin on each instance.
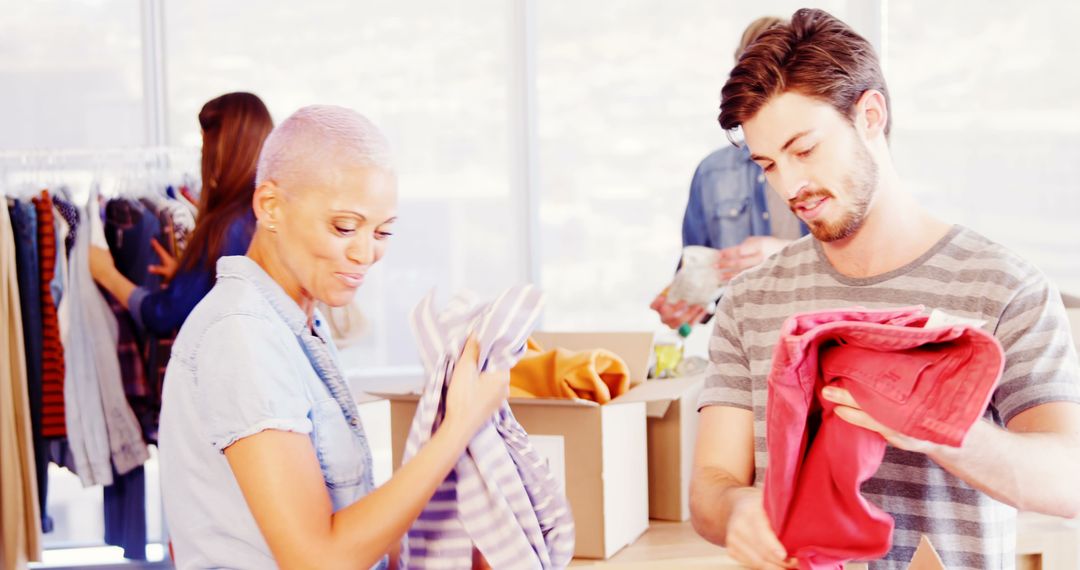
(1040, 358)
(246, 382)
(727, 379)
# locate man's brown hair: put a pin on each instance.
(815, 55)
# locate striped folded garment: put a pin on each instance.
(500, 497)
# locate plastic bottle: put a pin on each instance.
(669, 351)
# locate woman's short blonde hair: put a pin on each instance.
(321, 134)
(754, 30)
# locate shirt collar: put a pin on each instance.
(243, 267)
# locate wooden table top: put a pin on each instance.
(1043, 542)
(666, 545)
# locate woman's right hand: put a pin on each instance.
(473, 397)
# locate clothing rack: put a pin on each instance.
(81, 153)
(133, 175)
(113, 169)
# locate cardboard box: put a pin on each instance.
(671, 409)
(926, 557)
(607, 457)
(604, 457)
(375, 415)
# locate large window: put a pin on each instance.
(985, 131)
(628, 98)
(71, 74)
(72, 77)
(432, 75)
(987, 122)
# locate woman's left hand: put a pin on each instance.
(168, 265)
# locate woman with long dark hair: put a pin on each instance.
(234, 127)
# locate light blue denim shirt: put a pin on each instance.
(245, 361)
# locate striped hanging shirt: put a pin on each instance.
(52, 369)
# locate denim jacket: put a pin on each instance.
(163, 310)
(727, 201)
(245, 361)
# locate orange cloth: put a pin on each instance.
(596, 375)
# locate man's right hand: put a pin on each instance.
(750, 537)
(675, 314)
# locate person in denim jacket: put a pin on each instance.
(234, 126)
(731, 210)
(264, 459)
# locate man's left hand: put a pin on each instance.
(848, 410)
(753, 250)
(677, 314)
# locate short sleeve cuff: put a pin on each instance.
(1037, 395)
(725, 397)
(224, 440)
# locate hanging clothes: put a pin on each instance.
(52, 351)
(181, 223)
(124, 501)
(500, 496)
(130, 225)
(144, 352)
(67, 216)
(124, 505)
(103, 432)
(145, 346)
(70, 213)
(20, 523)
(60, 227)
(129, 354)
(128, 231)
(158, 341)
(25, 230)
(70, 361)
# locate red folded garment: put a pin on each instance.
(931, 384)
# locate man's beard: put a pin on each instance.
(861, 184)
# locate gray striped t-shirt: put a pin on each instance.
(965, 275)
